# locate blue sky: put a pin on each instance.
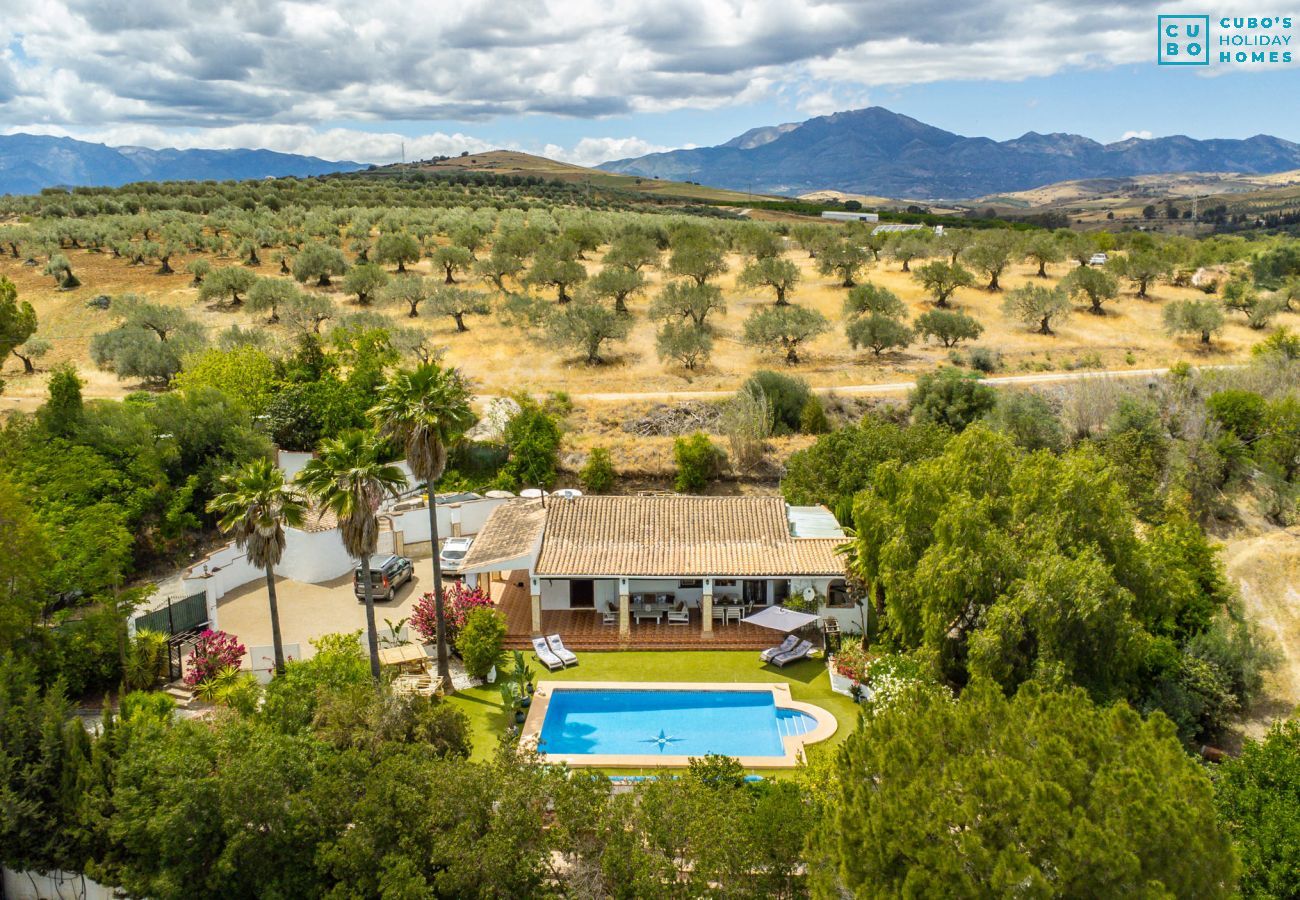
(589, 80)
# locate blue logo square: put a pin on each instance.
(1183, 40)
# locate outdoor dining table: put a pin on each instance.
(404, 655)
(652, 610)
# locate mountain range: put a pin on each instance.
(30, 162)
(876, 151)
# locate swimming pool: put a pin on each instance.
(666, 724)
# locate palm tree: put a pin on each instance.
(349, 477)
(254, 509)
(427, 410)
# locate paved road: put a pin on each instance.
(869, 390)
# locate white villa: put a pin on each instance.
(659, 569)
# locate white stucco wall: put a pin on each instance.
(54, 886)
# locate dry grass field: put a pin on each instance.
(501, 359)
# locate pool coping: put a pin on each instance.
(794, 744)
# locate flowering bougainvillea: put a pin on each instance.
(214, 652)
(458, 601)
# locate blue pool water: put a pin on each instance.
(668, 723)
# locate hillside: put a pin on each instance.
(514, 162)
(30, 163)
(877, 152)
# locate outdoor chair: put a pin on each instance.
(608, 615)
(785, 647)
(719, 613)
(736, 613)
(800, 652)
(679, 615)
(545, 656)
(567, 656)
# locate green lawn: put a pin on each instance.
(807, 679)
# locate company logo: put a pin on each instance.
(1237, 40)
(1183, 40)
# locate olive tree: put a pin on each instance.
(688, 301)
(270, 294)
(784, 329)
(451, 259)
(1034, 304)
(1097, 285)
(948, 326)
(397, 249)
(319, 261)
(844, 259)
(685, 343)
(587, 325)
(617, 284)
(775, 272)
(364, 280)
(876, 319)
(991, 253)
(411, 290)
(448, 300)
(942, 279)
(227, 284)
(1200, 317)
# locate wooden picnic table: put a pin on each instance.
(404, 655)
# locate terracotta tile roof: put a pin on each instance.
(319, 519)
(675, 535)
(510, 531)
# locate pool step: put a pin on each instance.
(793, 725)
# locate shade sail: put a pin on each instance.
(779, 618)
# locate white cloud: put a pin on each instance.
(189, 64)
(593, 150)
(1143, 135)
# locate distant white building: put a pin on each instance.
(851, 216)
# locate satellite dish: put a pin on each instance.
(809, 594)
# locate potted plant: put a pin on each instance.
(523, 676)
(510, 699)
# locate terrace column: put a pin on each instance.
(706, 608)
(536, 590)
(624, 610)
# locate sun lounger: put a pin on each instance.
(804, 648)
(568, 657)
(545, 656)
(786, 646)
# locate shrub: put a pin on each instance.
(215, 652)
(786, 397)
(146, 659)
(984, 359)
(597, 475)
(481, 640)
(533, 437)
(1258, 796)
(812, 418)
(699, 461)
(458, 602)
(949, 397)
